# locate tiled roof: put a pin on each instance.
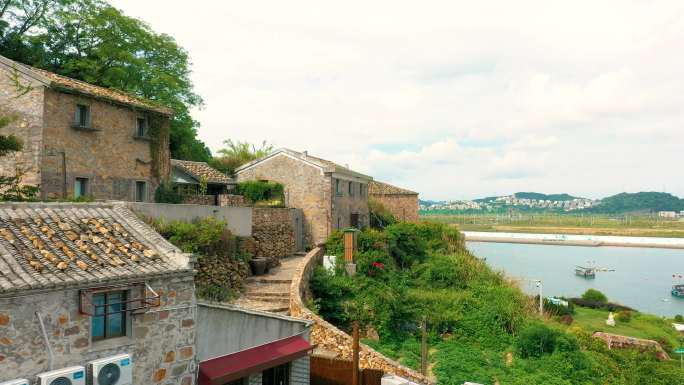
(73, 85)
(380, 188)
(56, 245)
(326, 165)
(201, 169)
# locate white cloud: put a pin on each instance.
(450, 98)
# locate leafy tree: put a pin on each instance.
(11, 188)
(380, 217)
(594, 295)
(237, 153)
(95, 42)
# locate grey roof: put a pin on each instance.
(325, 165)
(198, 170)
(58, 245)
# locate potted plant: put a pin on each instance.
(259, 265)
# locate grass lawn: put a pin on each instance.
(641, 325)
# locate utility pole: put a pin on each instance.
(424, 349)
(541, 298)
(355, 354)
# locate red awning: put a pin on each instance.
(221, 370)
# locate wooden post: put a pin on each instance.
(355, 354)
(424, 349)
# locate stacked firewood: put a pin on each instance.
(219, 272)
(274, 241)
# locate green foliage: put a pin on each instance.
(92, 41)
(679, 318)
(594, 295)
(237, 153)
(165, 193)
(9, 143)
(333, 290)
(536, 340)
(203, 185)
(624, 316)
(406, 245)
(639, 202)
(206, 236)
(379, 216)
(259, 191)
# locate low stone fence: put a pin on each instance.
(616, 341)
(328, 337)
(223, 200)
(207, 200)
(231, 200)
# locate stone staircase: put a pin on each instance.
(271, 292)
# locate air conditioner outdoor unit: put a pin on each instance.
(19, 381)
(74, 375)
(114, 370)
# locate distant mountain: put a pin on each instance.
(638, 202)
(535, 196)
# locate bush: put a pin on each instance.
(206, 236)
(332, 291)
(537, 340)
(259, 191)
(594, 295)
(567, 343)
(679, 318)
(624, 316)
(406, 245)
(599, 305)
(379, 216)
(165, 193)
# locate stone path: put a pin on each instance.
(271, 292)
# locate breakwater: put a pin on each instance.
(574, 240)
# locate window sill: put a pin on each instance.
(111, 343)
(84, 128)
(143, 138)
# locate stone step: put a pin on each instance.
(267, 279)
(270, 306)
(268, 295)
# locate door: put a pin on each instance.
(354, 221)
(280, 375)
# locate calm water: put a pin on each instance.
(642, 278)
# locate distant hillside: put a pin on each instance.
(638, 202)
(533, 195)
(429, 203)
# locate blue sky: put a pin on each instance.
(454, 99)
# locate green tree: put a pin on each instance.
(237, 153)
(11, 188)
(95, 42)
(594, 295)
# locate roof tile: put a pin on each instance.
(201, 169)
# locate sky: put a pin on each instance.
(453, 99)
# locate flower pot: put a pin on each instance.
(259, 266)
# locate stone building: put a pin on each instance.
(402, 203)
(331, 196)
(86, 281)
(80, 139)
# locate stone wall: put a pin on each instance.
(328, 337)
(206, 200)
(109, 155)
(26, 110)
(224, 200)
(616, 341)
(162, 341)
(404, 207)
(306, 187)
(345, 204)
(231, 200)
(273, 233)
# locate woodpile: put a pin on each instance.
(273, 241)
(219, 277)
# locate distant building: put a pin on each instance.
(80, 139)
(331, 196)
(402, 203)
(667, 214)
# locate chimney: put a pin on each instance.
(305, 153)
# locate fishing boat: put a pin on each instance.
(678, 290)
(586, 272)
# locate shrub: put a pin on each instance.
(599, 305)
(332, 291)
(679, 318)
(594, 295)
(567, 343)
(259, 191)
(624, 316)
(165, 193)
(406, 245)
(379, 216)
(537, 340)
(206, 236)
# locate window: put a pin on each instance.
(360, 189)
(351, 188)
(80, 187)
(82, 115)
(140, 191)
(141, 127)
(109, 318)
(280, 375)
(338, 187)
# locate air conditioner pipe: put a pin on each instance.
(51, 355)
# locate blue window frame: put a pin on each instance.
(109, 318)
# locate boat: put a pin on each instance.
(586, 272)
(678, 290)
